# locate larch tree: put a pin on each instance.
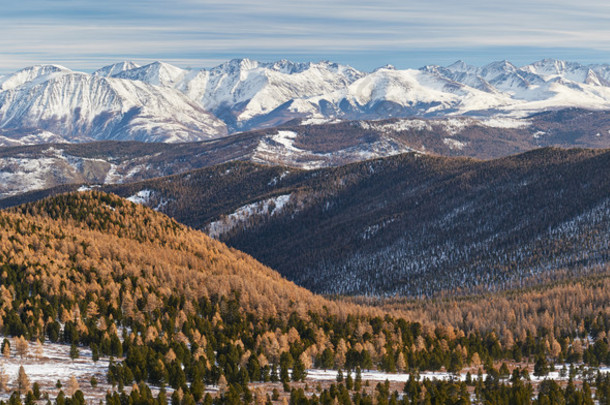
(6, 348)
(4, 381)
(21, 346)
(23, 381)
(72, 386)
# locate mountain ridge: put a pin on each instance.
(309, 146)
(408, 225)
(242, 94)
(411, 224)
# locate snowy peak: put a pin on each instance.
(81, 107)
(550, 69)
(460, 66)
(156, 73)
(243, 90)
(116, 68)
(31, 75)
(162, 102)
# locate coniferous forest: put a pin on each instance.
(183, 319)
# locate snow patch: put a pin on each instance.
(319, 121)
(286, 139)
(280, 149)
(398, 126)
(372, 375)
(142, 197)
(55, 364)
(84, 188)
(454, 126)
(454, 144)
(276, 180)
(271, 206)
(506, 123)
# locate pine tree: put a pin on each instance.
(298, 370)
(74, 353)
(6, 348)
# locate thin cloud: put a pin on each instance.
(200, 33)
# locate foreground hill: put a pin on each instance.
(410, 224)
(77, 240)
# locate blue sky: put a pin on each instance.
(87, 34)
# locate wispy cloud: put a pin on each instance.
(85, 34)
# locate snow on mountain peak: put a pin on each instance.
(31, 74)
(77, 106)
(162, 102)
(460, 66)
(115, 68)
(156, 73)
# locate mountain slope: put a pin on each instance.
(311, 146)
(187, 261)
(81, 107)
(242, 91)
(163, 305)
(247, 94)
(410, 224)
(159, 102)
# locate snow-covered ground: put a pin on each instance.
(53, 364)
(141, 197)
(280, 148)
(372, 375)
(454, 144)
(271, 206)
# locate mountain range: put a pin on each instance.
(159, 102)
(37, 167)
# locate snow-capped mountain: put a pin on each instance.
(80, 107)
(160, 102)
(115, 69)
(246, 93)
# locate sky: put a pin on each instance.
(88, 34)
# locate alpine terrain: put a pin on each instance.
(159, 102)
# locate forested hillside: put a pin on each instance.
(410, 224)
(174, 307)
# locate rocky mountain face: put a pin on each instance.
(79, 107)
(159, 102)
